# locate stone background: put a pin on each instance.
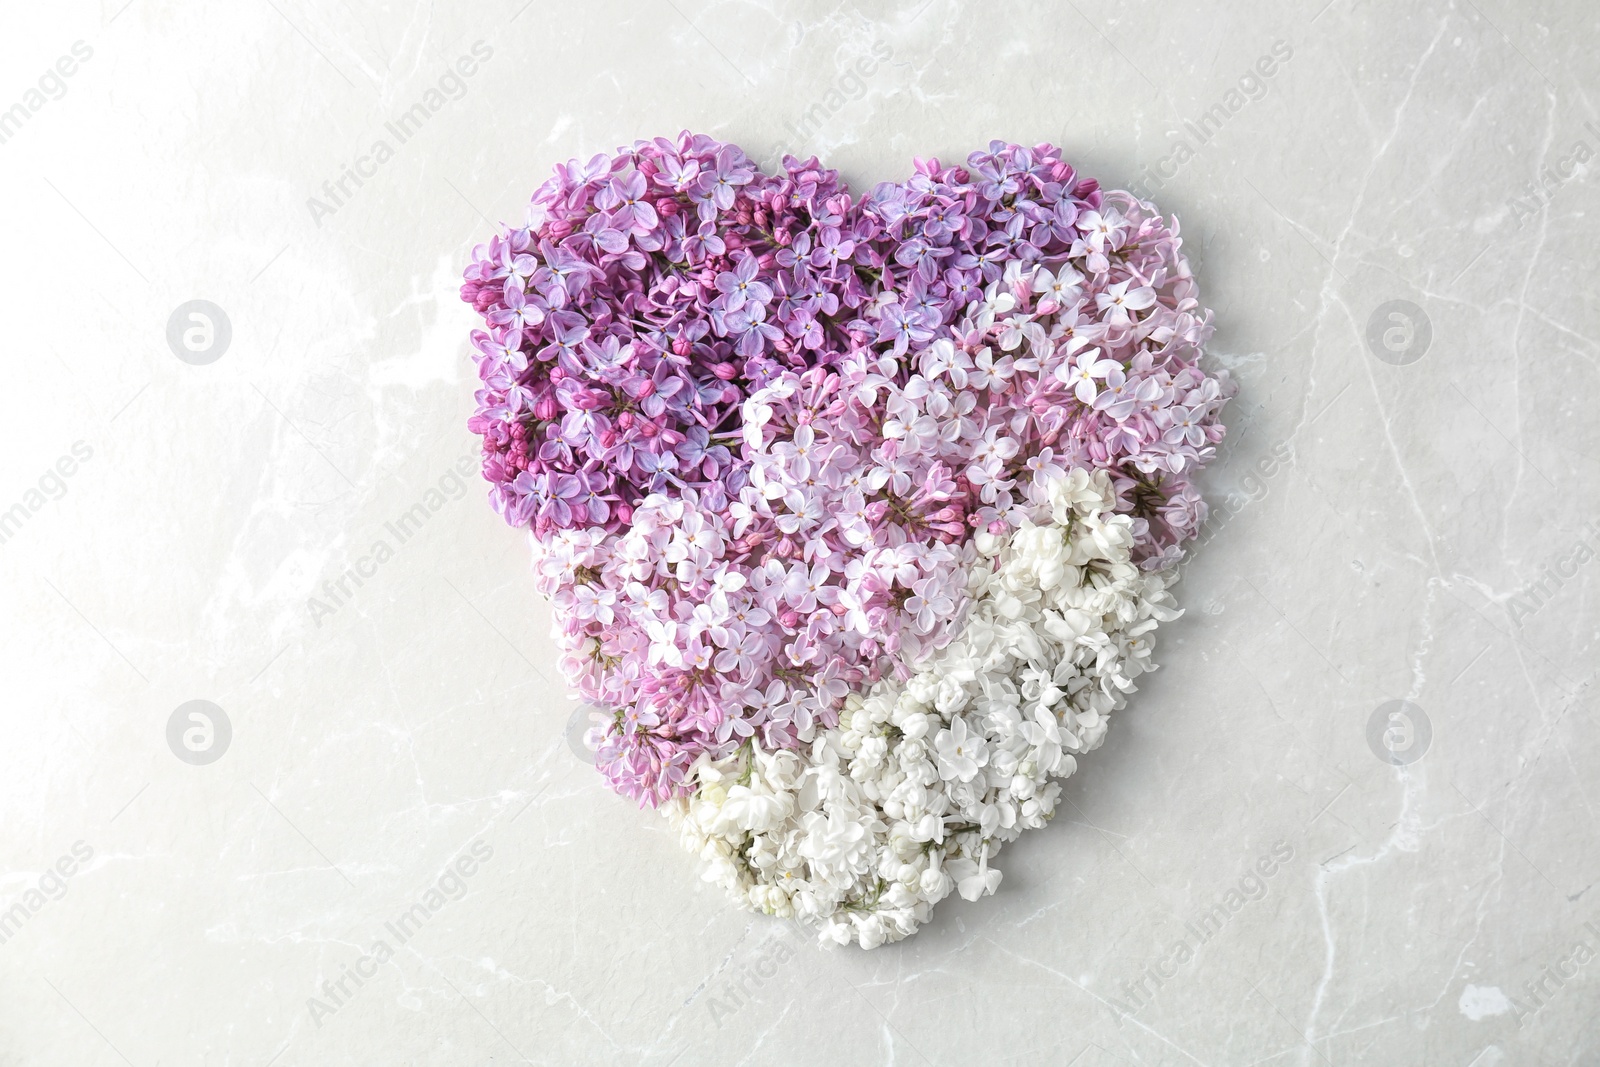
(1397, 234)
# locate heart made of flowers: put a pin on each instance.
(858, 515)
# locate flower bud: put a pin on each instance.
(935, 884)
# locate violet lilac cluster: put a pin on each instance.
(624, 320)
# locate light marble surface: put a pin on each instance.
(1384, 519)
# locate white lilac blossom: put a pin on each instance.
(912, 794)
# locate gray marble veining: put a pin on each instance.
(1388, 205)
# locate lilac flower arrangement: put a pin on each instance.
(768, 438)
(623, 322)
